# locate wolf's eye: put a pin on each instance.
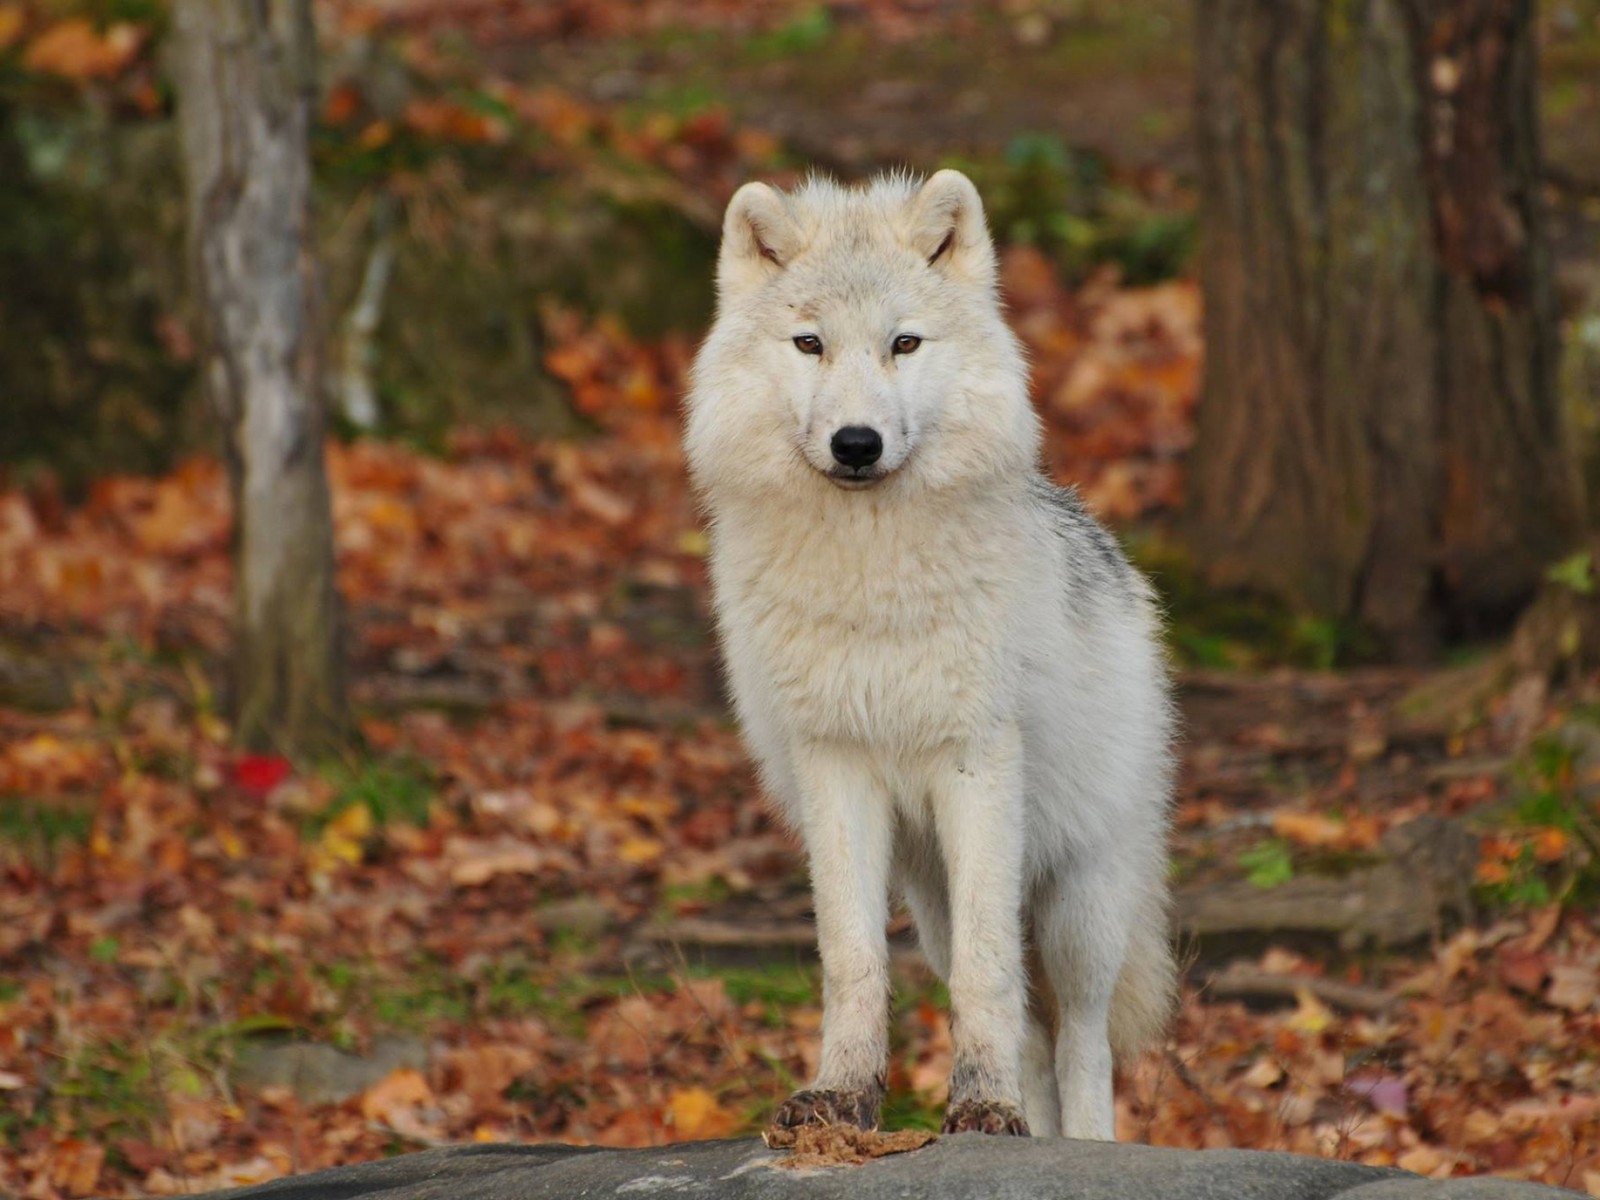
(906, 343)
(808, 343)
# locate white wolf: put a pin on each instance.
(945, 668)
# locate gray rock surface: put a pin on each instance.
(954, 1168)
(319, 1074)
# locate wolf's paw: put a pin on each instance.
(984, 1116)
(829, 1107)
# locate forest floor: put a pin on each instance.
(544, 899)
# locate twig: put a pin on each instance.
(1242, 982)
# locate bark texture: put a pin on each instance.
(246, 71)
(1380, 437)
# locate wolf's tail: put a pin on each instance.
(1147, 989)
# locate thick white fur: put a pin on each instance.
(951, 679)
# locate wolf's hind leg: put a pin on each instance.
(846, 820)
(1041, 1092)
(1083, 935)
(1041, 1096)
(921, 878)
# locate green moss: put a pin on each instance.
(1223, 628)
(806, 33)
(1063, 199)
(38, 828)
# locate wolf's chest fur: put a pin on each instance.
(867, 622)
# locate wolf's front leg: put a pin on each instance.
(847, 820)
(979, 813)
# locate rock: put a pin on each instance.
(585, 916)
(961, 1166)
(1423, 879)
(319, 1074)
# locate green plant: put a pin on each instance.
(1544, 845)
(39, 827)
(808, 31)
(1575, 572)
(393, 790)
(1267, 864)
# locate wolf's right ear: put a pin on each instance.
(946, 227)
(759, 237)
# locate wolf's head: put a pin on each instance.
(858, 340)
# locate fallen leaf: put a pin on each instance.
(1308, 829)
(75, 49)
(75, 1166)
(12, 21)
(1386, 1093)
(396, 1092)
(258, 774)
(695, 1113)
(1310, 1015)
(841, 1145)
(1263, 1073)
(640, 850)
(475, 861)
(1573, 986)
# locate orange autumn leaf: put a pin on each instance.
(447, 121)
(75, 49)
(397, 1091)
(640, 850)
(1491, 872)
(342, 102)
(12, 21)
(1309, 829)
(695, 1113)
(1550, 845)
(75, 1167)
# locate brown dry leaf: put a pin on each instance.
(600, 503)
(1426, 1160)
(1523, 970)
(1537, 1113)
(1573, 986)
(75, 1166)
(475, 861)
(841, 1145)
(486, 1071)
(1263, 1074)
(1541, 927)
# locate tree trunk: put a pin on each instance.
(1380, 438)
(246, 71)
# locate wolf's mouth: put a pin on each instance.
(855, 479)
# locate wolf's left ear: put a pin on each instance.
(759, 237)
(947, 227)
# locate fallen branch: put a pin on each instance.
(1240, 982)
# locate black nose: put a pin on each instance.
(857, 446)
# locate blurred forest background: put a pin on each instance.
(500, 870)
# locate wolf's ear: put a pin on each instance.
(759, 237)
(946, 227)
